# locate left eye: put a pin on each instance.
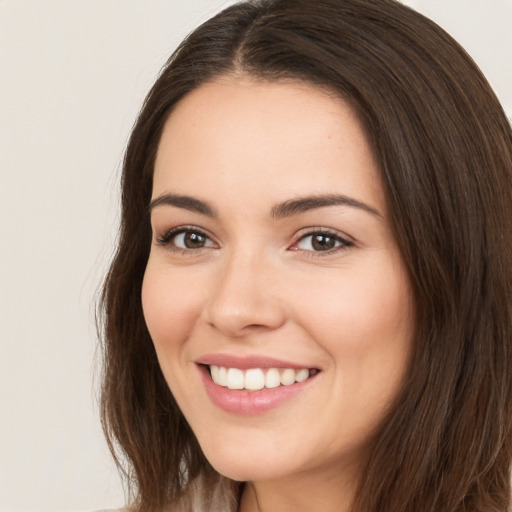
(321, 242)
(185, 239)
(191, 240)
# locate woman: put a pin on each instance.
(310, 304)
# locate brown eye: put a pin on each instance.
(185, 239)
(192, 240)
(322, 242)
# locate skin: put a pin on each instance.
(258, 286)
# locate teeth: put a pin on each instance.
(223, 376)
(254, 379)
(302, 375)
(272, 378)
(288, 377)
(257, 378)
(235, 378)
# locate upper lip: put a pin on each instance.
(247, 362)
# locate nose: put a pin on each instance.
(245, 297)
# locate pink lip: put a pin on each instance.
(251, 403)
(246, 362)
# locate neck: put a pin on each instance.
(333, 492)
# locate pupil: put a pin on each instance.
(323, 242)
(194, 240)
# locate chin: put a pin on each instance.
(248, 472)
(243, 466)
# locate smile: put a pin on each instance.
(253, 385)
(254, 379)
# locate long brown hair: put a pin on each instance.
(444, 147)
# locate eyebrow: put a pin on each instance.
(279, 211)
(186, 202)
(303, 204)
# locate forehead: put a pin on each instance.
(272, 139)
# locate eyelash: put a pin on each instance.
(343, 242)
(166, 239)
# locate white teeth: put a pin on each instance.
(272, 378)
(223, 376)
(302, 375)
(219, 375)
(255, 379)
(214, 371)
(235, 379)
(288, 377)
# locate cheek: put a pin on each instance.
(170, 309)
(361, 311)
(366, 324)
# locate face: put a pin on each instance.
(275, 293)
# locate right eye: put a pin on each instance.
(186, 239)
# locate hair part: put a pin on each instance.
(444, 148)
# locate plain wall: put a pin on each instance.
(73, 76)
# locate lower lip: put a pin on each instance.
(250, 403)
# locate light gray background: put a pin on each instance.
(73, 75)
